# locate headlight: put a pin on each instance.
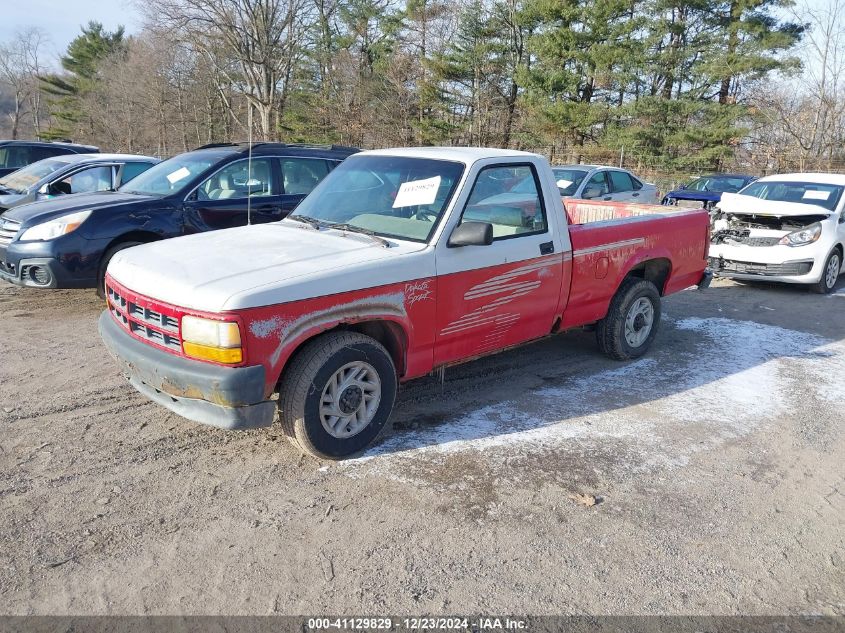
(208, 339)
(56, 227)
(807, 235)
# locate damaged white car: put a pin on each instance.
(788, 228)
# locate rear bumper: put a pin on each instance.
(224, 397)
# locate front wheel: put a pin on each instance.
(830, 273)
(631, 322)
(337, 394)
(104, 264)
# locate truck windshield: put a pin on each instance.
(21, 180)
(391, 196)
(817, 194)
(171, 176)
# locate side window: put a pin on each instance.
(88, 180)
(596, 186)
(301, 175)
(620, 181)
(239, 180)
(17, 156)
(40, 153)
(509, 199)
(637, 184)
(130, 170)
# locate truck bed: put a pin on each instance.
(611, 238)
(589, 211)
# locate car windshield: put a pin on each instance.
(171, 176)
(813, 193)
(21, 180)
(390, 196)
(568, 180)
(717, 184)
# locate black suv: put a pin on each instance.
(17, 154)
(67, 242)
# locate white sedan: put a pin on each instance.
(788, 228)
(598, 182)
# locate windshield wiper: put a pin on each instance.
(351, 228)
(304, 219)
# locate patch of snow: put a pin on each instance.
(728, 378)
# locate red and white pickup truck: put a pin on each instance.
(400, 262)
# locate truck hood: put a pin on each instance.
(738, 203)
(259, 265)
(44, 210)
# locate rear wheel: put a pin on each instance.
(631, 322)
(337, 395)
(830, 273)
(104, 263)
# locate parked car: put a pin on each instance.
(401, 262)
(67, 242)
(606, 183)
(17, 154)
(71, 173)
(788, 228)
(706, 191)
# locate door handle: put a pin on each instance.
(636, 194)
(547, 248)
(608, 198)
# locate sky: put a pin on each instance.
(61, 20)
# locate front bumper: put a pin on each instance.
(225, 397)
(42, 265)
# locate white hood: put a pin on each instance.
(738, 203)
(264, 264)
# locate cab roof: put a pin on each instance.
(466, 155)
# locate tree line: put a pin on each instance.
(672, 85)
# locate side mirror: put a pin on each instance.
(591, 192)
(59, 188)
(44, 189)
(682, 186)
(472, 234)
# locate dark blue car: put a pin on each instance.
(68, 241)
(706, 191)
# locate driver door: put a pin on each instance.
(507, 292)
(235, 195)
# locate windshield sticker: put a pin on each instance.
(563, 184)
(417, 192)
(178, 175)
(811, 194)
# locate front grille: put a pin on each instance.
(795, 268)
(154, 326)
(8, 230)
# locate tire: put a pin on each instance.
(621, 340)
(337, 358)
(104, 263)
(830, 273)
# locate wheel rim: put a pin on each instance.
(638, 322)
(350, 399)
(832, 272)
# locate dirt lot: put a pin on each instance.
(718, 461)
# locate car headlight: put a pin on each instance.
(56, 227)
(807, 235)
(207, 339)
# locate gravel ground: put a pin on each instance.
(716, 463)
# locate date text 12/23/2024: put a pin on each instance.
(416, 624)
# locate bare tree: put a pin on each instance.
(258, 39)
(20, 65)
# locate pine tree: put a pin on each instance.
(81, 64)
